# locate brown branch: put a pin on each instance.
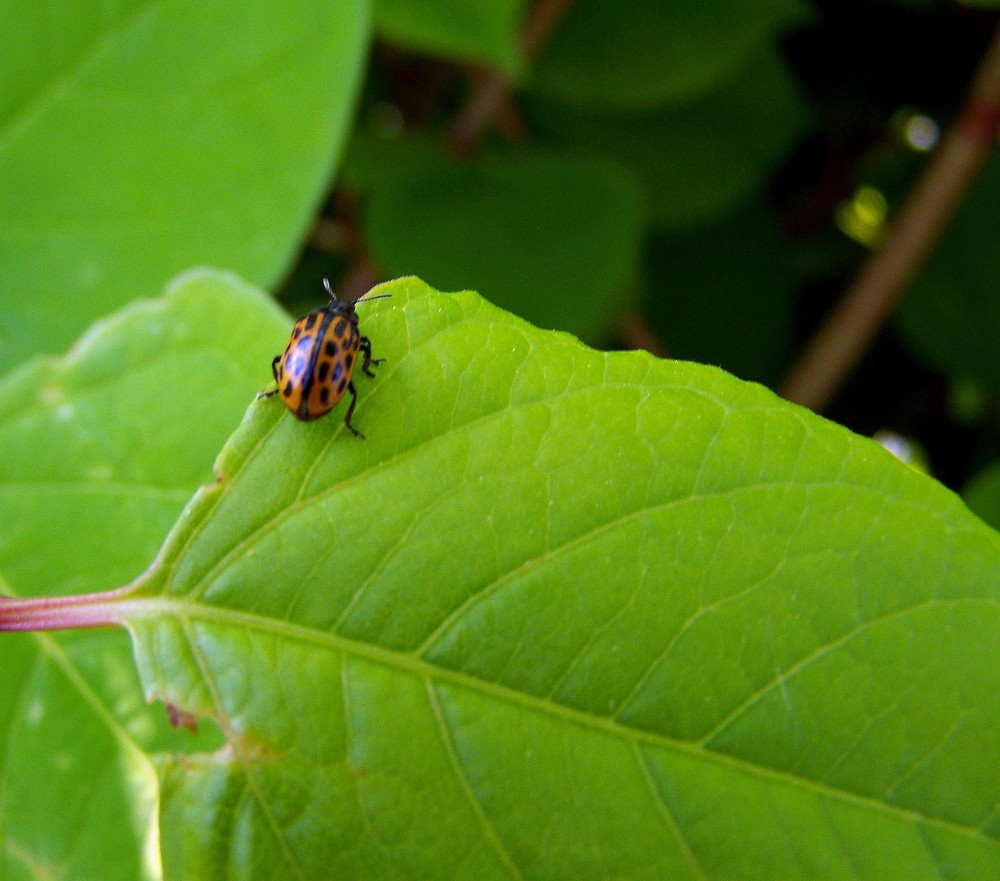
(871, 299)
(491, 94)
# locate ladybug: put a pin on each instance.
(317, 365)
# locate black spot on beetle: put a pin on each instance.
(331, 348)
(295, 334)
(287, 390)
(324, 369)
(341, 385)
(338, 371)
(324, 394)
(348, 360)
(311, 321)
(339, 328)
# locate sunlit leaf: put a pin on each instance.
(571, 614)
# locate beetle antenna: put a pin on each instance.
(376, 297)
(329, 290)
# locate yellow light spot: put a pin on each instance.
(863, 218)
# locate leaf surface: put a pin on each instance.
(568, 614)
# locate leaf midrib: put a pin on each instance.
(130, 611)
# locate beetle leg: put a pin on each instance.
(350, 410)
(366, 348)
(274, 370)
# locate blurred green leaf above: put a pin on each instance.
(157, 137)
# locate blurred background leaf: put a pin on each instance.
(555, 238)
(952, 314)
(632, 54)
(484, 31)
(138, 140)
(982, 494)
(725, 296)
(698, 159)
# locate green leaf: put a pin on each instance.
(951, 315)
(139, 141)
(463, 30)
(699, 160)
(100, 451)
(374, 160)
(553, 238)
(568, 614)
(633, 54)
(78, 797)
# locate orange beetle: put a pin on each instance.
(318, 363)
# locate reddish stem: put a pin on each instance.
(62, 613)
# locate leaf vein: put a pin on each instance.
(222, 717)
(670, 821)
(147, 608)
(489, 829)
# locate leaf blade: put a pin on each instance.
(562, 581)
